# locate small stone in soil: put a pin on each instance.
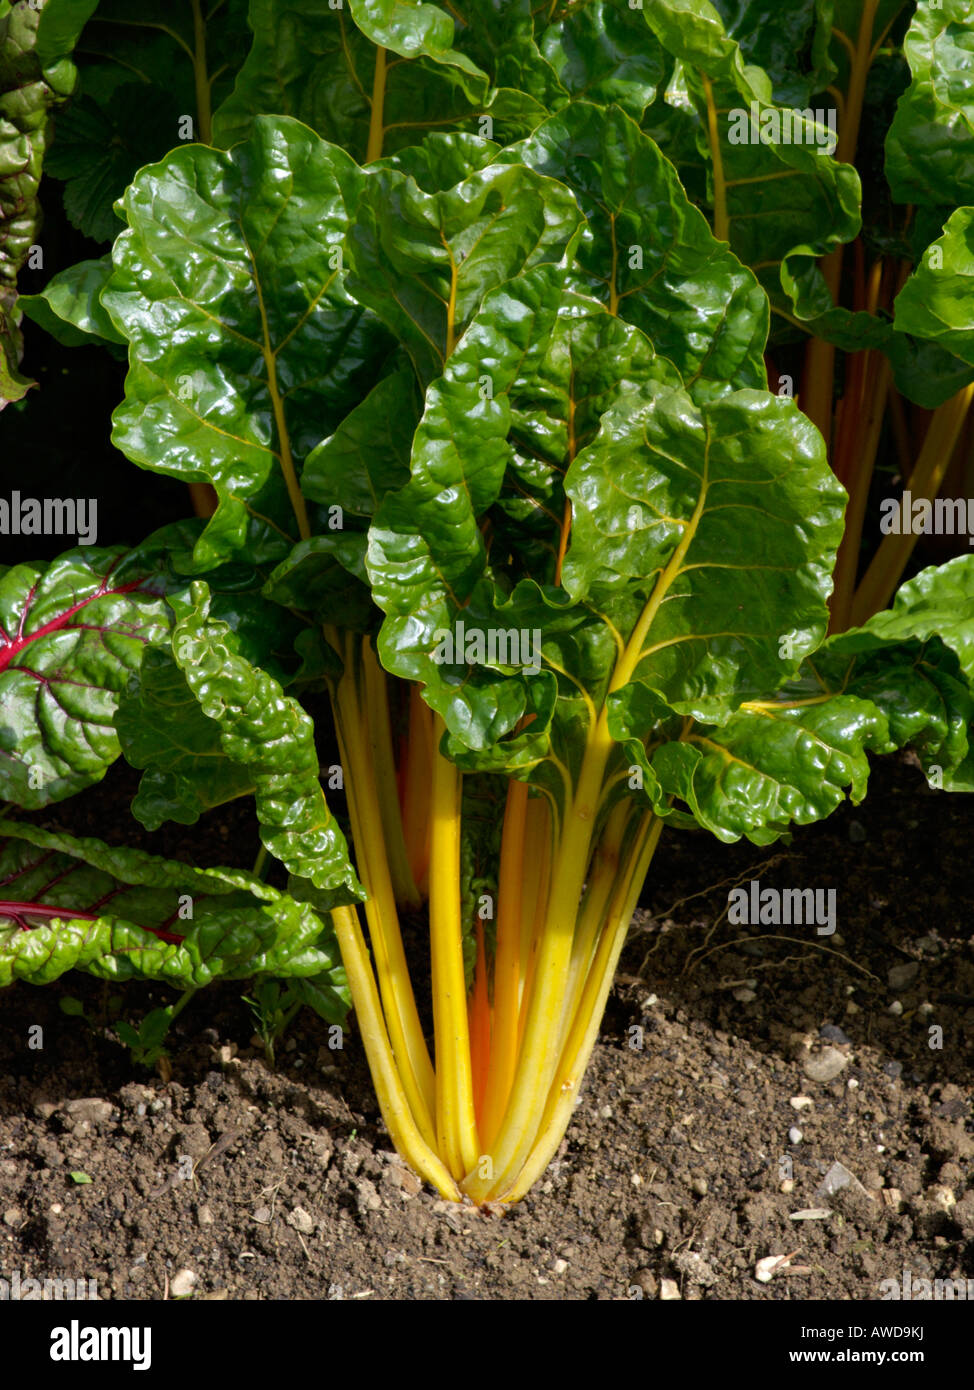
(830, 1033)
(302, 1221)
(669, 1291)
(183, 1283)
(902, 976)
(699, 1186)
(826, 1065)
(794, 1135)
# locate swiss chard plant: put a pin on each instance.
(463, 315)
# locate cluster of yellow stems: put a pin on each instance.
(483, 1120)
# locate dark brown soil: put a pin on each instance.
(679, 1166)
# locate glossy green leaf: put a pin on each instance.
(648, 253)
(69, 307)
(71, 634)
(162, 729)
(122, 914)
(602, 54)
(270, 735)
(424, 262)
(310, 60)
(930, 144)
(411, 28)
(770, 196)
(936, 302)
(244, 347)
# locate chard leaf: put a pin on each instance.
(935, 303)
(410, 28)
(602, 54)
(500, 35)
(121, 914)
(71, 634)
(930, 144)
(244, 347)
(773, 197)
(270, 735)
(424, 262)
(162, 729)
(694, 513)
(368, 455)
(36, 73)
(761, 771)
(311, 61)
(903, 679)
(648, 253)
(69, 307)
(324, 578)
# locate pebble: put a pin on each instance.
(262, 1215)
(367, 1197)
(893, 1069)
(92, 1109)
(896, 1008)
(765, 1270)
(836, 1179)
(204, 1215)
(560, 1266)
(669, 1291)
(745, 996)
(788, 1185)
(801, 1102)
(14, 1217)
(700, 1186)
(830, 1033)
(794, 1135)
(606, 1112)
(183, 1283)
(302, 1221)
(825, 1065)
(902, 976)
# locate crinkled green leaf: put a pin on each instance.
(602, 53)
(723, 521)
(244, 347)
(368, 455)
(324, 578)
(936, 302)
(32, 82)
(411, 28)
(780, 196)
(502, 37)
(147, 917)
(71, 633)
(269, 734)
(424, 262)
(69, 307)
(310, 60)
(930, 144)
(162, 729)
(648, 252)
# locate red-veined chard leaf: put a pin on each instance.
(71, 634)
(120, 914)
